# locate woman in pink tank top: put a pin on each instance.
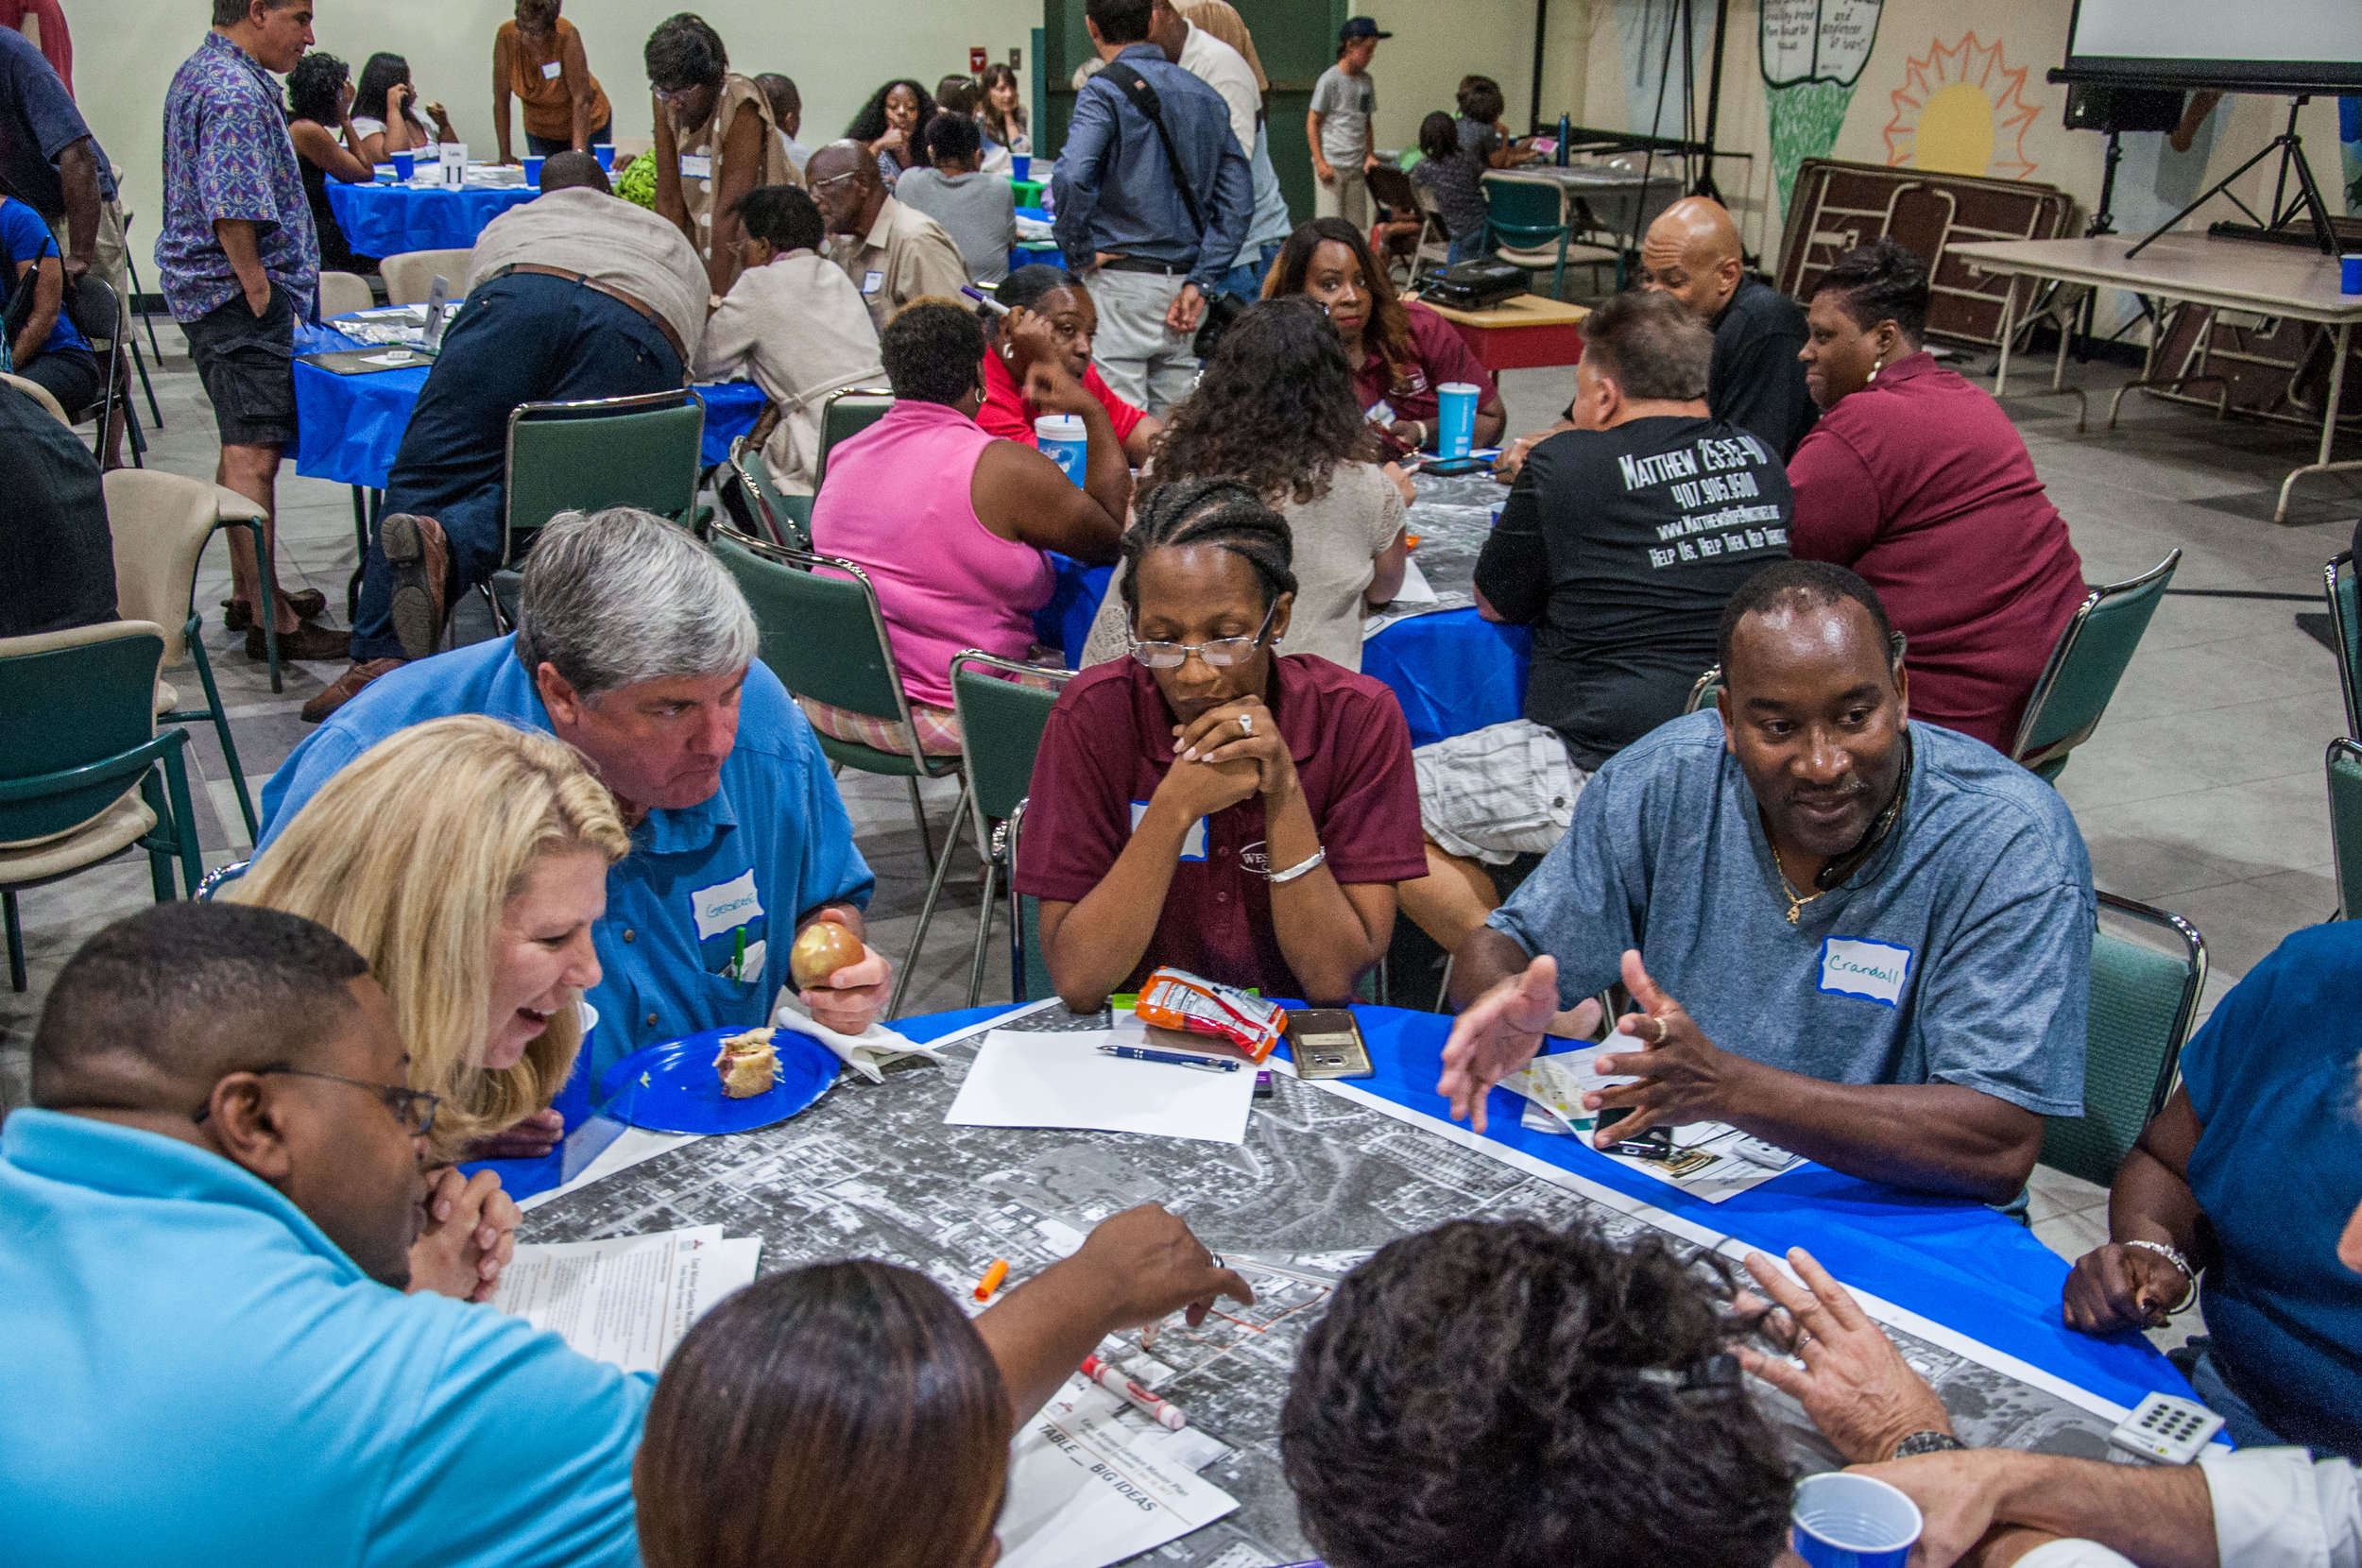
(951, 523)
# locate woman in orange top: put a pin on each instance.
(540, 59)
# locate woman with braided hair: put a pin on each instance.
(1207, 802)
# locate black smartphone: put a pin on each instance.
(1654, 1144)
(1451, 467)
(1327, 1043)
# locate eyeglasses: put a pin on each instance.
(1222, 653)
(672, 95)
(414, 1108)
(819, 185)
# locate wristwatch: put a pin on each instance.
(2173, 1255)
(1928, 1442)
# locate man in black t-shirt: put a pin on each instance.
(1622, 537)
(1756, 381)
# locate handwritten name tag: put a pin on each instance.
(1858, 968)
(725, 905)
(697, 166)
(871, 281)
(549, 72)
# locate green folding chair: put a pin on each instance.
(2143, 1002)
(1525, 224)
(770, 515)
(78, 780)
(2085, 664)
(2345, 619)
(587, 455)
(847, 413)
(826, 638)
(1001, 726)
(1703, 694)
(2345, 822)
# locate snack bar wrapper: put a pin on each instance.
(1174, 999)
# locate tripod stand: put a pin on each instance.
(2307, 198)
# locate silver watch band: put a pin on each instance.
(2173, 1255)
(1300, 868)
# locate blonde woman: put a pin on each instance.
(467, 861)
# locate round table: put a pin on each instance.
(387, 218)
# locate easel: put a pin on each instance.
(2307, 198)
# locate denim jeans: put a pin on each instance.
(1468, 247)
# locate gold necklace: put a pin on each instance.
(1795, 904)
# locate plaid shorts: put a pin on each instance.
(938, 729)
(1497, 792)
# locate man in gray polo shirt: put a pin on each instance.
(1879, 931)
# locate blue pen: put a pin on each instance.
(1170, 1058)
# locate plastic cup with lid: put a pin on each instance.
(1064, 442)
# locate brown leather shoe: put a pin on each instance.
(308, 604)
(307, 643)
(347, 685)
(420, 557)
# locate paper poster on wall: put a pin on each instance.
(1813, 53)
(1962, 109)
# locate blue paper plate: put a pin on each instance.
(671, 1087)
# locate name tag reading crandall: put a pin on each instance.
(1859, 968)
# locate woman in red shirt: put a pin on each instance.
(1051, 319)
(1400, 352)
(1207, 803)
(1916, 479)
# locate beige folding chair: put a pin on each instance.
(39, 394)
(342, 293)
(410, 277)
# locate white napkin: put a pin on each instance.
(862, 1052)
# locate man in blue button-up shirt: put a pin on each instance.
(634, 646)
(1122, 221)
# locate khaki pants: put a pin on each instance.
(1145, 362)
(110, 256)
(1348, 198)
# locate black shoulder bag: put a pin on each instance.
(1222, 310)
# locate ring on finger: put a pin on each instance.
(1661, 1032)
(1246, 724)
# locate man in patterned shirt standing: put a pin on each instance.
(239, 263)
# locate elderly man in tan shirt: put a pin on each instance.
(893, 253)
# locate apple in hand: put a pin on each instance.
(821, 949)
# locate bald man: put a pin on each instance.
(894, 253)
(1755, 382)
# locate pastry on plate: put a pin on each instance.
(748, 1063)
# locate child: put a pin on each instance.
(1451, 171)
(1338, 126)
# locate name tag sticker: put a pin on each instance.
(549, 72)
(1193, 842)
(1857, 969)
(1380, 414)
(697, 166)
(872, 281)
(725, 905)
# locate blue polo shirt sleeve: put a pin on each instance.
(1584, 904)
(312, 764)
(520, 1451)
(2004, 1006)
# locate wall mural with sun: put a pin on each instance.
(1962, 109)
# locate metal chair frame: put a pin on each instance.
(2346, 858)
(1702, 691)
(2060, 652)
(925, 766)
(2193, 986)
(989, 844)
(2343, 632)
(116, 377)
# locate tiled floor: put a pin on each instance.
(2202, 791)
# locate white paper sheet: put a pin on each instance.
(1092, 1482)
(1060, 1080)
(629, 1300)
(634, 1145)
(1416, 589)
(1553, 1087)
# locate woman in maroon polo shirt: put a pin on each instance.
(1206, 802)
(1400, 353)
(1917, 481)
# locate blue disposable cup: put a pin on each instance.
(405, 166)
(1455, 414)
(1847, 1521)
(605, 153)
(1020, 166)
(2350, 274)
(533, 172)
(1064, 442)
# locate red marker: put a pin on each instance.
(993, 1276)
(1163, 1411)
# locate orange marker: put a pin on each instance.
(993, 1276)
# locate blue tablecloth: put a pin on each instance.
(387, 220)
(1454, 671)
(348, 428)
(1955, 1263)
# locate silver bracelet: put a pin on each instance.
(2173, 1255)
(1300, 868)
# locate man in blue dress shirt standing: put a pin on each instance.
(634, 646)
(1151, 233)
